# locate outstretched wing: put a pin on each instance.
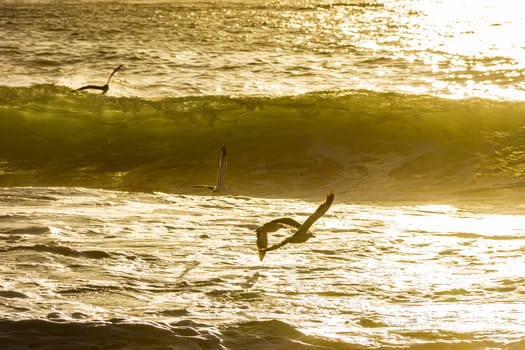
(321, 210)
(103, 88)
(95, 87)
(220, 186)
(298, 237)
(114, 71)
(271, 226)
(222, 170)
(302, 233)
(275, 246)
(276, 224)
(204, 186)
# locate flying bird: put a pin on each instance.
(300, 236)
(103, 88)
(220, 186)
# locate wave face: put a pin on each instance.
(362, 144)
(177, 335)
(42, 334)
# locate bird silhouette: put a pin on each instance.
(103, 88)
(300, 236)
(220, 186)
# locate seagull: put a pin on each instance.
(103, 88)
(300, 236)
(220, 186)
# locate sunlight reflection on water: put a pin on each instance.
(373, 274)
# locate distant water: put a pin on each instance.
(412, 112)
(177, 48)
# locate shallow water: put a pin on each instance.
(373, 277)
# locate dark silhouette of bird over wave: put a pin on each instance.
(103, 88)
(300, 236)
(220, 186)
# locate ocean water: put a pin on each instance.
(456, 49)
(412, 112)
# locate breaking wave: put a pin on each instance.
(363, 144)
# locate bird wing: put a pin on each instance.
(111, 75)
(222, 168)
(220, 174)
(204, 186)
(302, 229)
(276, 224)
(96, 87)
(271, 226)
(321, 210)
(277, 245)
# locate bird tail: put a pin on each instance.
(262, 253)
